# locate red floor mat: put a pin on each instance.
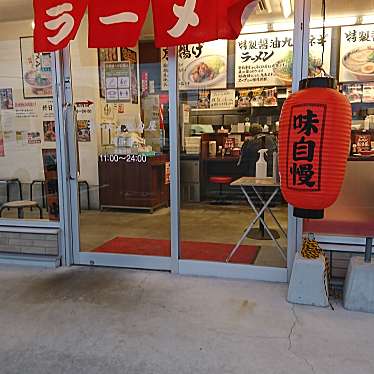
(202, 251)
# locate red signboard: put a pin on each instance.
(56, 23)
(114, 23)
(305, 146)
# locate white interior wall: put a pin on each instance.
(25, 162)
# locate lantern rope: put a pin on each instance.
(323, 15)
(312, 251)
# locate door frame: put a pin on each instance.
(69, 177)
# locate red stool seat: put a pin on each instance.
(220, 180)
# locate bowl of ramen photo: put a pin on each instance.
(205, 71)
(39, 82)
(360, 63)
(283, 69)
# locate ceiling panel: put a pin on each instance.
(13, 10)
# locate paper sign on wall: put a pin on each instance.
(222, 99)
(117, 82)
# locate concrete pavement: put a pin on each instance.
(95, 320)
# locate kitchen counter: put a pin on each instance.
(361, 158)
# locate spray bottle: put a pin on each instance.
(261, 165)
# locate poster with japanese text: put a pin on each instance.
(117, 82)
(222, 99)
(131, 56)
(357, 54)
(266, 59)
(200, 66)
(36, 71)
(85, 120)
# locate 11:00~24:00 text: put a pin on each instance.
(141, 159)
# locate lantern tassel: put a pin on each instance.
(312, 251)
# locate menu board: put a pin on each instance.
(117, 82)
(357, 53)
(266, 59)
(200, 66)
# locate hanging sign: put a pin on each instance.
(198, 21)
(201, 66)
(266, 59)
(115, 23)
(56, 23)
(357, 53)
(312, 159)
(117, 82)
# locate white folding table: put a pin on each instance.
(255, 183)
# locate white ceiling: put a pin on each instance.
(14, 10)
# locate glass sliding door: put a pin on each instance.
(121, 150)
(234, 220)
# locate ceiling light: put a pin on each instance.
(331, 22)
(252, 29)
(283, 26)
(286, 8)
(368, 19)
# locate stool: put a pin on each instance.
(20, 206)
(221, 180)
(8, 182)
(80, 184)
(42, 183)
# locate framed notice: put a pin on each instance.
(36, 71)
(200, 66)
(266, 59)
(357, 53)
(117, 82)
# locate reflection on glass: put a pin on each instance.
(28, 166)
(122, 133)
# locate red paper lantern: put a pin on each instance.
(314, 137)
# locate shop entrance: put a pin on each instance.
(159, 177)
(119, 167)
